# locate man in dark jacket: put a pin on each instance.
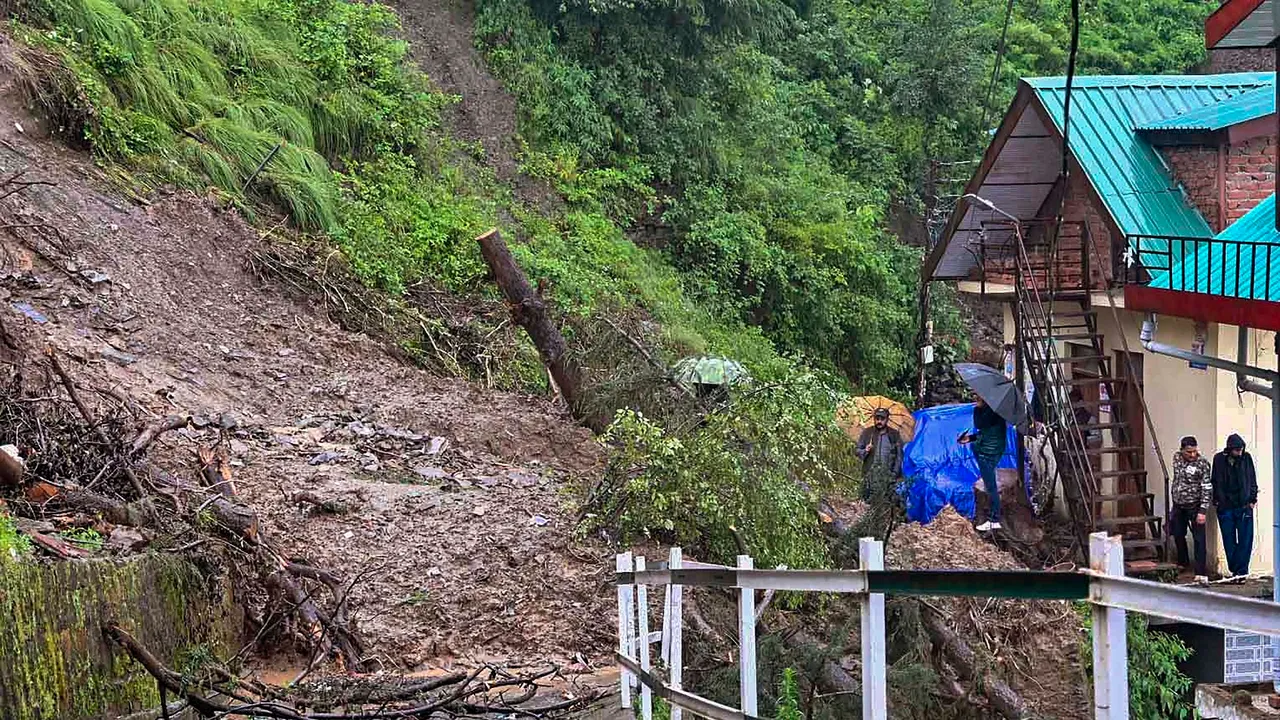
(880, 449)
(1235, 493)
(988, 439)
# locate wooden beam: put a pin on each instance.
(1011, 118)
(1257, 314)
(1227, 18)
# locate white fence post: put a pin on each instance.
(676, 651)
(875, 703)
(1110, 645)
(642, 617)
(624, 627)
(747, 642)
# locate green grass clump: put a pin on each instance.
(12, 544)
(209, 88)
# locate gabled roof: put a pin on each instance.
(1233, 111)
(1237, 263)
(1128, 172)
(1125, 171)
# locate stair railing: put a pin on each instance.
(1092, 248)
(1063, 430)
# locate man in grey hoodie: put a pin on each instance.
(1235, 493)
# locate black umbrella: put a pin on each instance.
(997, 390)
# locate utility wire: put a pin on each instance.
(995, 69)
(1066, 102)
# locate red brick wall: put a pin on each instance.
(1241, 60)
(1064, 267)
(1196, 167)
(1251, 175)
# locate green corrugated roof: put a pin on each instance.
(1127, 171)
(1230, 267)
(1233, 111)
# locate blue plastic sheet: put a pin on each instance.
(940, 471)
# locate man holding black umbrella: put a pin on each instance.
(988, 440)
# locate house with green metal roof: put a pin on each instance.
(1167, 202)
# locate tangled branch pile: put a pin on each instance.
(213, 691)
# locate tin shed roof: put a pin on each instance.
(1242, 261)
(1128, 172)
(1130, 177)
(1234, 110)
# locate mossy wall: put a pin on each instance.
(55, 662)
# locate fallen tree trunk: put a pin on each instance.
(832, 679)
(1003, 699)
(529, 311)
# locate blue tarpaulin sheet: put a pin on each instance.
(940, 471)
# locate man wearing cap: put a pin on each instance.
(880, 449)
(1191, 491)
(1235, 493)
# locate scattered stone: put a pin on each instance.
(95, 277)
(522, 480)
(30, 312)
(126, 539)
(430, 473)
(120, 358)
(327, 456)
(369, 462)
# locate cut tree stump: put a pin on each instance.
(529, 311)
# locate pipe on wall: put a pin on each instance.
(1245, 375)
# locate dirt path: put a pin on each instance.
(459, 524)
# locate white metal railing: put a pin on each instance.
(1103, 586)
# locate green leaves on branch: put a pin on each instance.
(750, 467)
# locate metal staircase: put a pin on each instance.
(1104, 482)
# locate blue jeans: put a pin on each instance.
(1237, 537)
(987, 467)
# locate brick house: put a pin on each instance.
(1156, 163)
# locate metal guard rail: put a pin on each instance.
(1104, 587)
(1237, 269)
(1174, 602)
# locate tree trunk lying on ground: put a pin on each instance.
(1002, 697)
(529, 311)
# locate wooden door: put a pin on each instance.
(1129, 411)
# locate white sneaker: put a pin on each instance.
(995, 526)
(985, 527)
(1202, 580)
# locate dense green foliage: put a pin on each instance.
(783, 135)
(739, 475)
(1157, 688)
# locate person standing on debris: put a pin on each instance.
(1192, 492)
(1235, 493)
(880, 449)
(988, 438)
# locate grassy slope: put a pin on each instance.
(202, 92)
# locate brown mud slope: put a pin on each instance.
(1035, 644)
(458, 520)
(440, 35)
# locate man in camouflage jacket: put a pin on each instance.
(1192, 492)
